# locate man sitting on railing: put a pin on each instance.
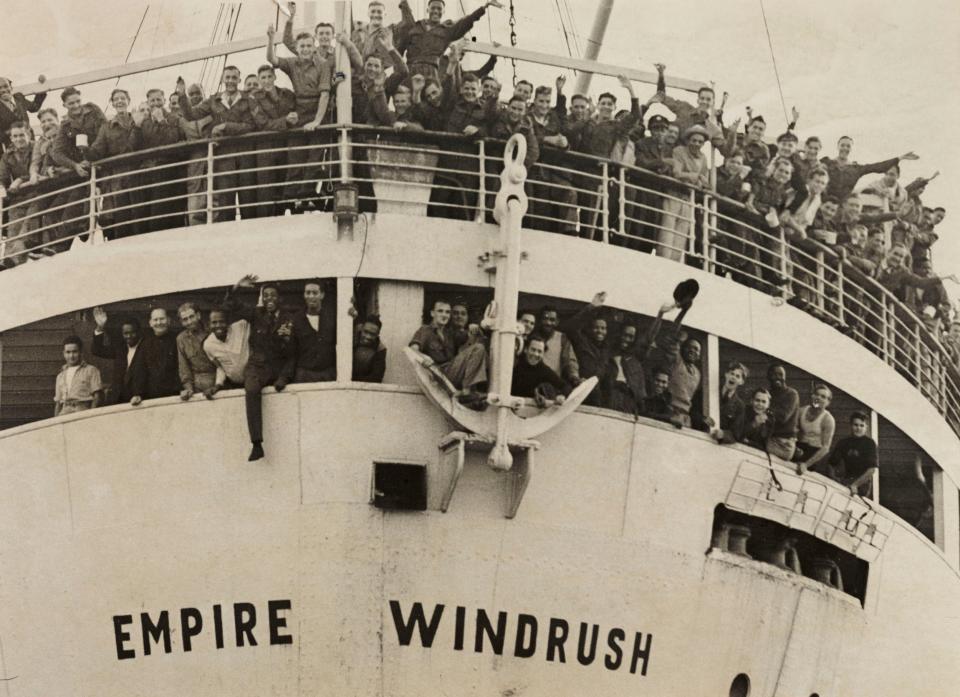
(466, 370)
(269, 341)
(424, 41)
(14, 178)
(273, 109)
(232, 115)
(77, 133)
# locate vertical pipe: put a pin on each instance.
(713, 378)
(3, 234)
(210, 182)
(605, 202)
(821, 280)
(344, 91)
(482, 193)
(706, 227)
(594, 42)
(875, 432)
(344, 329)
(92, 223)
(623, 202)
(946, 516)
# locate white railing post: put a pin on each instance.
(623, 201)
(210, 146)
(482, 192)
(92, 222)
(691, 242)
(887, 354)
(821, 283)
(784, 266)
(918, 352)
(841, 290)
(605, 203)
(707, 227)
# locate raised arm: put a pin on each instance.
(271, 44)
(288, 40)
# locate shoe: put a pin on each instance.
(473, 400)
(256, 452)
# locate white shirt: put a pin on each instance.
(230, 356)
(131, 352)
(314, 321)
(71, 372)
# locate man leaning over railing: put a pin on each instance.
(118, 135)
(273, 109)
(194, 129)
(77, 132)
(232, 114)
(14, 179)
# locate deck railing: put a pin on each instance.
(442, 175)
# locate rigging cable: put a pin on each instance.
(773, 57)
(132, 43)
(563, 26)
(513, 39)
(573, 29)
(213, 38)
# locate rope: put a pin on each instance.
(573, 29)
(213, 37)
(773, 57)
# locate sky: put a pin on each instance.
(883, 72)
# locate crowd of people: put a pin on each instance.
(244, 344)
(411, 77)
(254, 342)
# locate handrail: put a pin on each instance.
(722, 240)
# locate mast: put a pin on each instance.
(600, 22)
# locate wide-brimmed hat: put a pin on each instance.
(696, 130)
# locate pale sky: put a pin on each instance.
(883, 72)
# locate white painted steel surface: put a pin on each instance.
(155, 508)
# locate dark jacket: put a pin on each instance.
(314, 349)
(237, 120)
(626, 396)
(129, 381)
(269, 111)
(267, 347)
(115, 137)
(424, 42)
(19, 113)
(526, 379)
(369, 364)
(597, 138)
(65, 150)
(162, 365)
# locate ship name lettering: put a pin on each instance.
(556, 637)
(157, 635)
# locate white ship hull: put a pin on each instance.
(155, 510)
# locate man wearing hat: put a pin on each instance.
(691, 167)
(845, 174)
(426, 40)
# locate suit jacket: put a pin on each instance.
(162, 365)
(314, 349)
(129, 381)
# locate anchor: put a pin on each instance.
(505, 421)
